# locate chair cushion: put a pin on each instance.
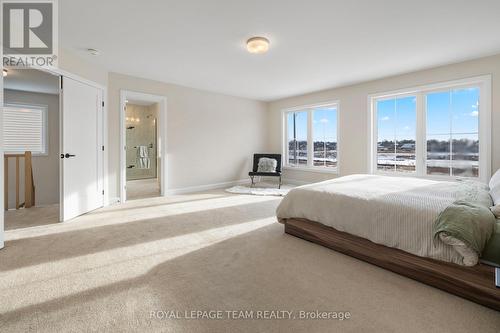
(267, 165)
(270, 174)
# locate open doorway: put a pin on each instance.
(53, 141)
(31, 127)
(142, 149)
(143, 138)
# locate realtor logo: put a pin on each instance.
(29, 36)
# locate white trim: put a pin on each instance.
(311, 106)
(2, 180)
(420, 92)
(104, 122)
(432, 86)
(45, 125)
(315, 169)
(113, 200)
(339, 146)
(61, 72)
(162, 139)
(122, 148)
(310, 139)
(101, 137)
(485, 127)
(105, 142)
(207, 187)
(310, 147)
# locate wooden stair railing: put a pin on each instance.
(29, 185)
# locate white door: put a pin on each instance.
(81, 148)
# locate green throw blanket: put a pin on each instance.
(469, 218)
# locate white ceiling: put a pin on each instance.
(314, 44)
(31, 80)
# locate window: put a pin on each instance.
(297, 138)
(438, 130)
(397, 118)
(311, 137)
(325, 137)
(25, 129)
(453, 132)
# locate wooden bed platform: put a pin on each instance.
(476, 283)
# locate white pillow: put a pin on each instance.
(496, 211)
(495, 187)
(267, 165)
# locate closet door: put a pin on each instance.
(81, 148)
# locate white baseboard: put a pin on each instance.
(207, 187)
(112, 201)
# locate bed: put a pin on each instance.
(397, 223)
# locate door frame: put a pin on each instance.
(162, 138)
(103, 123)
(2, 216)
(100, 153)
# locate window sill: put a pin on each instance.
(32, 154)
(429, 177)
(313, 169)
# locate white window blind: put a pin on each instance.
(25, 128)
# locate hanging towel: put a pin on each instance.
(142, 151)
(143, 160)
(143, 163)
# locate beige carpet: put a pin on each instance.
(31, 217)
(143, 188)
(108, 270)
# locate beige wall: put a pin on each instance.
(210, 137)
(202, 119)
(353, 112)
(74, 64)
(45, 168)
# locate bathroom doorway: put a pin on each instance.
(141, 149)
(142, 137)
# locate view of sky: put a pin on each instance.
(450, 112)
(324, 125)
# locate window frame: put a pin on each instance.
(45, 125)
(310, 147)
(482, 82)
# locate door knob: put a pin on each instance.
(69, 155)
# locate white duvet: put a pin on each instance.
(397, 212)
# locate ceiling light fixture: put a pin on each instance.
(258, 45)
(5, 72)
(93, 52)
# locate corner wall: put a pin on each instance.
(353, 112)
(210, 137)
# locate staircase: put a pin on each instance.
(29, 185)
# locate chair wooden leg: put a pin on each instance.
(279, 184)
(251, 185)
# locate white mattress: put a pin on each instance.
(397, 212)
